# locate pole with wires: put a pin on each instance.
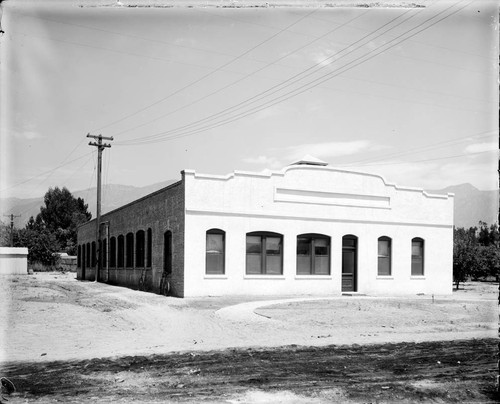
(12, 216)
(100, 147)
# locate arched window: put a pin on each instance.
(167, 252)
(384, 256)
(104, 253)
(121, 251)
(83, 258)
(139, 249)
(129, 250)
(417, 256)
(94, 259)
(214, 253)
(313, 254)
(112, 252)
(149, 249)
(264, 253)
(79, 257)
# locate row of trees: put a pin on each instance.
(476, 253)
(53, 230)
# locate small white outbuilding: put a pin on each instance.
(13, 261)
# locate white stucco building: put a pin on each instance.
(308, 229)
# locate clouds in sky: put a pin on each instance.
(481, 147)
(323, 150)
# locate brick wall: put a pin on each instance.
(160, 211)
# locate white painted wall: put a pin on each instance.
(13, 260)
(312, 199)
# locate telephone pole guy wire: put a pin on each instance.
(100, 147)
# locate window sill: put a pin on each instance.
(385, 277)
(313, 277)
(417, 277)
(266, 277)
(214, 276)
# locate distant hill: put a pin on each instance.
(471, 204)
(113, 196)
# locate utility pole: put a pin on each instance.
(12, 216)
(100, 147)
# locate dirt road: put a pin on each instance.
(437, 348)
(429, 372)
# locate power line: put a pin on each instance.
(433, 146)
(243, 78)
(297, 91)
(210, 73)
(425, 160)
(44, 173)
(294, 79)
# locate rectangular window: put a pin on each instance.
(384, 256)
(214, 253)
(417, 257)
(264, 254)
(313, 255)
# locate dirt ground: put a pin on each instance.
(71, 341)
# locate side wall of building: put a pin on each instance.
(144, 244)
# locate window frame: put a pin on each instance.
(218, 271)
(140, 248)
(129, 250)
(264, 235)
(120, 262)
(149, 248)
(112, 252)
(388, 257)
(421, 264)
(313, 238)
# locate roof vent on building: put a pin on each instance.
(310, 161)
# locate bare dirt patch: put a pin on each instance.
(79, 341)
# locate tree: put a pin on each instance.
(4, 235)
(61, 216)
(465, 254)
(41, 243)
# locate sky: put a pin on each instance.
(407, 93)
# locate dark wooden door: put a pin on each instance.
(349, 264)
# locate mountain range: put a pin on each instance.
(471, 204)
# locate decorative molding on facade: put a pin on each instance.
(213, 212)
(283, 171)
(310, 196)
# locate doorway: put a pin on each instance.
(349, 263)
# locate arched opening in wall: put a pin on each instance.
(89, 264)
(83, 261)
(149, 249)
(121, 251)
(417, 256)
(215, 252)
(384, 256)
(104, 254)
(139, 249)
(112, 252)
(264, 253)
(129, 250)
(94, 260)
(313, 254)
(349, 263)
(167, 252)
